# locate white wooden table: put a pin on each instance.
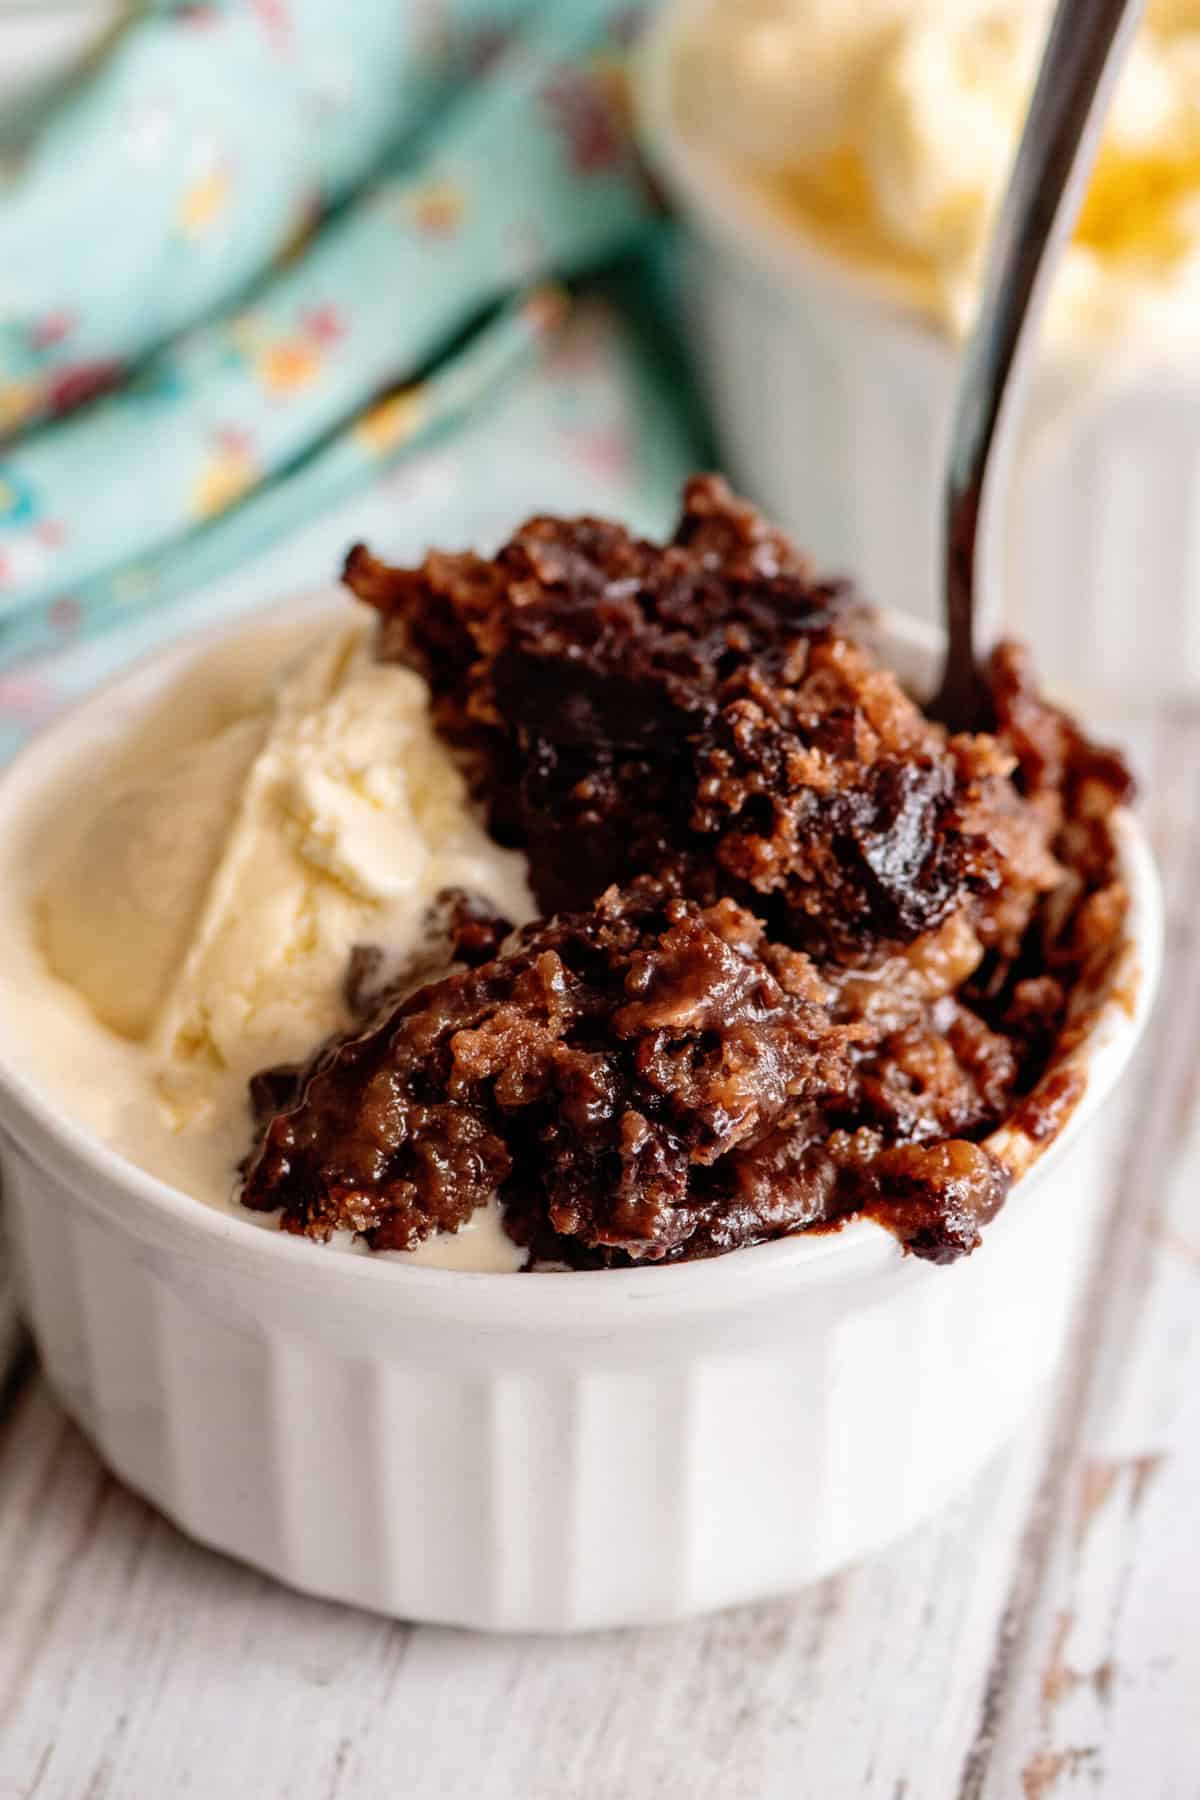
(1039, 1640)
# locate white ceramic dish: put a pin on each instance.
(548, 1452)
(832, 400)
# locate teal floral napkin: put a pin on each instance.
(498, 139)
(589, 421)
(203, 145)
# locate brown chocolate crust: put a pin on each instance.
(612, 1062)
(697, 709)
(804, 952)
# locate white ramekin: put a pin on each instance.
(832, 402)
(549, 1452)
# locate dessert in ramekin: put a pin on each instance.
(839, 167)
(827, 999)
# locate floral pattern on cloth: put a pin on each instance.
(176, 120)
(234, 430)
(585, 422)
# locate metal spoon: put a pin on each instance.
(1084, 51)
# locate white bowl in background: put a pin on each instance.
(832, 401)
(556, 1451)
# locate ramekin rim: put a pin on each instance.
(1110, 1038)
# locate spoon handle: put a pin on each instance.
(1083, 54)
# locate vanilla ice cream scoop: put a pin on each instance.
(118, 916)
(888, 127)
(352, 817)
(773, 83)
(210, 905)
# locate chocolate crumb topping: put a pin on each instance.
(615, 1063)
(461, 929)
(803, 950)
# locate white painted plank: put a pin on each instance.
(134, 1663)
(1105, 1688)
(1109, 1689)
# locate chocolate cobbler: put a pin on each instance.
(802, 950)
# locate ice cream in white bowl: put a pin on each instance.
(839, 167)
(198, 919)
(557, 1450)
